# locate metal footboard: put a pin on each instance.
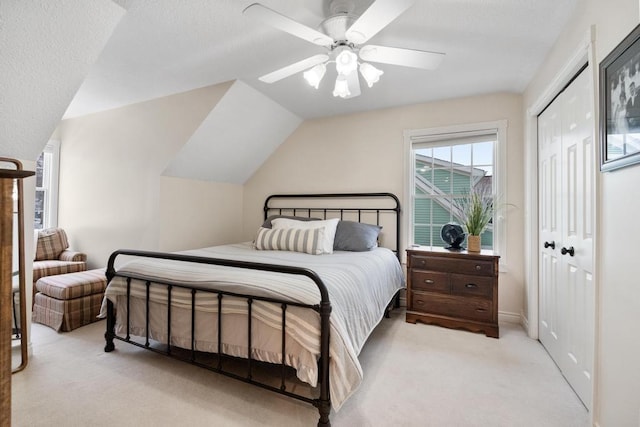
(323, 308)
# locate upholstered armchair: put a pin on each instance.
(53, 256)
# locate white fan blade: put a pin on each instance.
(354, 84)
(380, 14)
(294, 68)
(405, 57)
(286, 24)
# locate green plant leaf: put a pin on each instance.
(476, 211)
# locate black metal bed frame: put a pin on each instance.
(323, 308)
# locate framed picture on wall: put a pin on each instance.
(620, 104)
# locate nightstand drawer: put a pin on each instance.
(463, 266)
(469, 308)
(462, 284)
(430, 281)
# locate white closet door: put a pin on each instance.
(567, 170)
(551, 296)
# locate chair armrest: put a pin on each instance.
(68, 255)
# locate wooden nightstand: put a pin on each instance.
(453, 289)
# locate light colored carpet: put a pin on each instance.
(415, 375)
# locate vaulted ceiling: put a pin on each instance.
(236, 137)
(66, 55)
(163, 47)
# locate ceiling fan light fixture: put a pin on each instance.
(314, 75)
(344, 34)
(370, 73)
(346, 62)
(341, 88)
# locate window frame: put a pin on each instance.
(51, 176)
(456, 133)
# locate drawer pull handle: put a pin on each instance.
(478, 267)
(481, 310)
(422, 262)
(428, 281)
(470, 285)
(419, 302)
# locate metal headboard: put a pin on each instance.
(352, 206)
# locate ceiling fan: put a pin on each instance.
(343, 36)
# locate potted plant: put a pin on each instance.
(476, 211)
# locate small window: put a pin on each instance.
(46, 211)
(444, 173)
(443, 166)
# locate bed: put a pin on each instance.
(285, 312)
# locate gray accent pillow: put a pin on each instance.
(356, 236)
(267, 222)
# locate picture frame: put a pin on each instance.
(619, 99)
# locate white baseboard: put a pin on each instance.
(504, 316)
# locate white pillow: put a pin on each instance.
(329, 226)
(290, 239)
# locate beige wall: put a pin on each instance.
(365, 152)
(112, 195)
(617, 391)
(115, 159)
(195, 214)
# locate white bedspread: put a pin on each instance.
(360, 285)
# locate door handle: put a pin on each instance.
(569, 251)
(550, 244)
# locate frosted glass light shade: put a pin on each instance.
(314, 75)
(370, 73)
(342, 87)
(346, 62)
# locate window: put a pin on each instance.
(46, 214)
(442, 166)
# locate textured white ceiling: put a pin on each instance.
(167, 46)
(46, 49)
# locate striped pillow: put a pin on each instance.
(307, 240)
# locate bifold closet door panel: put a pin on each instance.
(567, 168)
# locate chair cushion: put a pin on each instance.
(51, 268)
(73, 285)
(51, 243)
